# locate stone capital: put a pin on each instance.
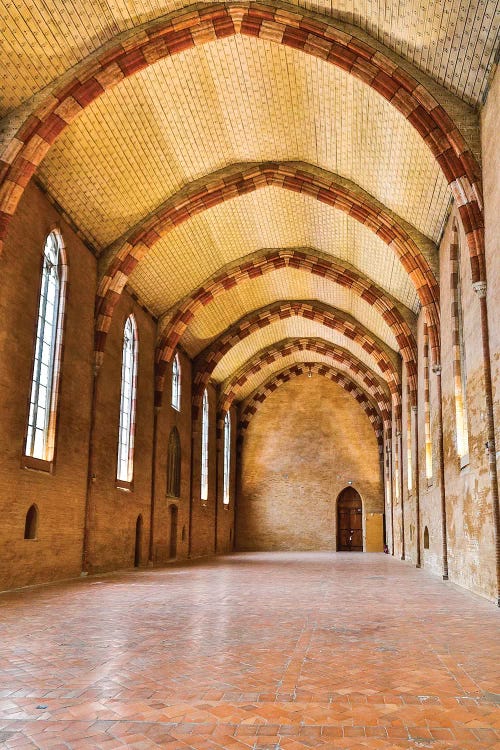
(480, 288)
(436, 368)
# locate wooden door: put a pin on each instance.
(349, 521)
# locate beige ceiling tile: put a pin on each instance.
(452, 40)
(236, 100)
(268, 218)
(280, 364)
(284, 284)
(283, 329)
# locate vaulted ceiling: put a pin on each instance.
(194, 116)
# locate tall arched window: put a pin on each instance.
(227, 458)
(427, 408)
(174, 464)
(176, 383)
(40, 437)
(408, 444)
(204, 447)
(125, 467)
(459, 366)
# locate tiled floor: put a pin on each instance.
(260, 651)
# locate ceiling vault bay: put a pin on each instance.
(242, 100)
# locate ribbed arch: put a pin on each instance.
(239, 180)
(311, 310)
(252, 403)
(231, 389)
(299, 30)
(259, 264)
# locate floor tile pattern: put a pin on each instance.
(274, 651)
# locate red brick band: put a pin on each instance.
(297, 29)
(253, 402)
(262, 263)
(370, 381)
(231, 183)
(333, 319)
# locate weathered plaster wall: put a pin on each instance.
(490, 139)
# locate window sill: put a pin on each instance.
(430, 482)
(124, 486)
(172, 497)
(38, 464)
(464, 461)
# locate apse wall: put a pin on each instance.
(304, 444)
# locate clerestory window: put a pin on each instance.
(40, 436)
(176, 383)
(204, 447)
(125, 467)
(227, 458)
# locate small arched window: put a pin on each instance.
(125, 467)
(426, 538)
(176, 383)
(227, 458)
(204, 447)
(40, 437)
(174, 464)
(31, 523)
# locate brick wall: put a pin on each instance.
(60, 496)
(303, 445)
(168, 418)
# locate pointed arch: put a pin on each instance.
(259, 395)
(238, 180)
(265, 262)
(375, 386)
(301, 30)
(330, 317)
(31, 522)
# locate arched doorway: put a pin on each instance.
(138, 542)
(349, 521)
(172, 553)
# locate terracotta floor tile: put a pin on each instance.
(274, 651)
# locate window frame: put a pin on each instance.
(122, 483)
(226, 474)
(204, 468)
(459, 354)
(46, 461)
(176, 383)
